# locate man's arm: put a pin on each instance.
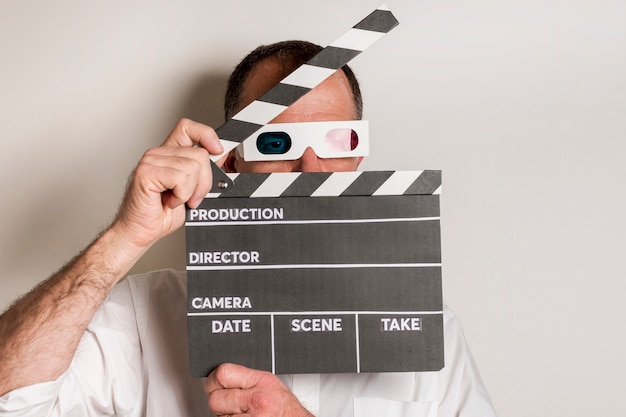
(40, 333)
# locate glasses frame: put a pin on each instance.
(304, 135)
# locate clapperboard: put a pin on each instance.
(315, 272)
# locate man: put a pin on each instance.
(79, 344)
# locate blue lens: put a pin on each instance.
(273, 143)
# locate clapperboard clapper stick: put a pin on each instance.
(258, 113)
(315, 272)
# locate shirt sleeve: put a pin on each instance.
(92, 386)
(33, 400)
(462, 392)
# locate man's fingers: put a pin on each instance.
(228, 402)
(230, 375)
(190, 133)
(252, 401)
(185, 172)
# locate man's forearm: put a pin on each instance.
(40, 332)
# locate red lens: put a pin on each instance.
(341, 140)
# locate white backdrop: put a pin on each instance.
(521, 103)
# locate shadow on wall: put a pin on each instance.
(203, 103)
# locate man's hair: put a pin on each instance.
(290, 54)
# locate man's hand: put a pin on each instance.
(235, 390)
(167, 177)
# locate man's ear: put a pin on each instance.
(228, 162)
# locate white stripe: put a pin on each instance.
(437, 191)
(357, 39)
(275, 184)
(336, 183)
(398, 183)
(310, 266)
(358, 347)
(308, 76)
(383, 7)
(273, 344)
(228, 145)
(314, 313)
(259, 112)
(317, 221)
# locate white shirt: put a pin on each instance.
(133, 361)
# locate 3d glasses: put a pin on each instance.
(288, 141)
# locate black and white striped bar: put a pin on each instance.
(261, 111)
(317, 272)
(331, 184)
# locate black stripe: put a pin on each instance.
(284, 94)
(378, 21)
(333, 57)
(327, 243)
(306, 184)
(244, 185)
(367, 183)
(236, 130)
(426, 183)
(373, 289)
(349, 208)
